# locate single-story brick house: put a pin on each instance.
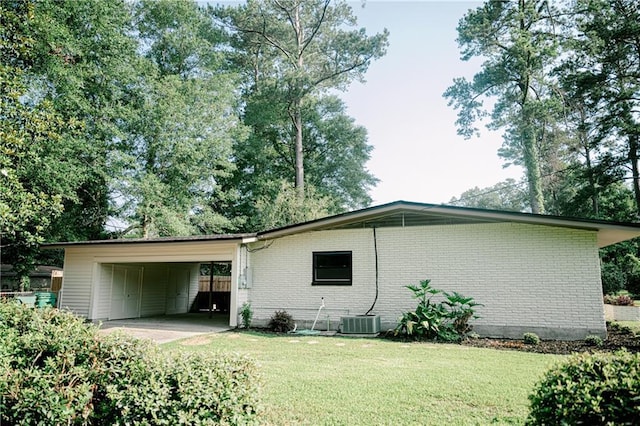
(531, 273)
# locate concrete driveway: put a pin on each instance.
(167, 328)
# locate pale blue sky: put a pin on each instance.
(417, 154)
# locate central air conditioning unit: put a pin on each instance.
(360, 324)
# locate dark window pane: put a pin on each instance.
(332, 267)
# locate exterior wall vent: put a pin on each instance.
(360, 324)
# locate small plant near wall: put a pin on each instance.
(447, 320)
(281, 322)
(247, 314)
(531, 339)
(594, 341)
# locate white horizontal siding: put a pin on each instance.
(199, 251)
(154, 284)
(194, 285)
(77, 281)
(102, 298)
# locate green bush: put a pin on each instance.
(531, 339)
(600, 388)
(246, 313)
(281, 322)
(447, 320)
(622, 300)
(184, 389)
(56, 369)
(632, 264)
(594, 341)
(613, 278)
(633, 284)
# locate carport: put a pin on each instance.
(137, 278)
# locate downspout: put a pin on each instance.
(375, 250)
(211, 290)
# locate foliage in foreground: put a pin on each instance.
(447, 320)
(600, 388)
(54, 369)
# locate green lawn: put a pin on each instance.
(633, 325)
(347, 381)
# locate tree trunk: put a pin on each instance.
(633, 158)
(297, 111)
(145, 227)
(592, 182)
(527, 133)
(536, 198)
(297, 122)
(584, 140)
(531, 162)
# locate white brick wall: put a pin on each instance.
(528, 277)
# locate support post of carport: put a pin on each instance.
(211, 290)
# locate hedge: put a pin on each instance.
(57, 369)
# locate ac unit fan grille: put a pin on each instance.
(363, 324)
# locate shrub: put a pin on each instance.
(281, 322)
(460, 312)
(56, 369)
(247, 314)
(633, 274)
(598, 388)
(633, 284)
(613, 278)
(531, 339)
(186, 388)
(622, 300)
(625, 329)
(447, 320)
(594, 341)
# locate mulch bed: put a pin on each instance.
(617, 338)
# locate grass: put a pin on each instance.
(633, 325)
(347, 381)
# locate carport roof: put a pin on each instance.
(402, 214)
(193, 238)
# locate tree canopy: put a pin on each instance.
(563, 82)
(292, 51)
(38, 167)
(165, 117)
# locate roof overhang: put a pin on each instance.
(219, 238)
(403, 214)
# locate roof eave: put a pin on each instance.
(609, 236)
(607, 233)
(226, 238)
